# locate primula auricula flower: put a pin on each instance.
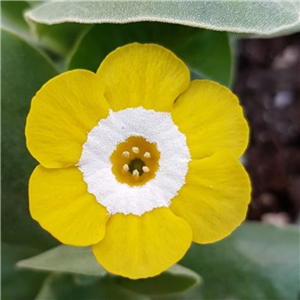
(136, 160)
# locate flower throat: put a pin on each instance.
(135, 161)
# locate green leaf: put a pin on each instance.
(206, 52)
(12, 17)
(60, 38)
(64, 287)
(18, 284)
(24, 71)
(35, 3)
(256, 262)
(258, 17)
(178, 281)
(78, 260)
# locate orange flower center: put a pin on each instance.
(135, 161)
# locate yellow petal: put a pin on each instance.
(59, 201)
(211, 118)
(140, 247)
(64, 110)
(143, 75)
(215, 198)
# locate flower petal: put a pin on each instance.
(145, 75)
(59, 201)
(64, 110)
(140, 247)
(215, 198)
(211, 118)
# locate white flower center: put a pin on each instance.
(97, 168)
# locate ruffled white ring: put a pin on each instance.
(96, 166)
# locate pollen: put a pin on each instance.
(125, 168)
(126, 154)
(145, 169)
(135, 161)
(135, 150)
(147, 155)
(135, 174)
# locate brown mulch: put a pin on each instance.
(268, 85)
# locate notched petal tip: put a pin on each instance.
(62, 112)
(141, 247)
(215, 203)
(210, 116)
(146, 75)
(60, 203)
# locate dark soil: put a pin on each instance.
(268, 85)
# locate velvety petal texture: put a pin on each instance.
(63, 127)
(215, 198)
(145, 75)
(210, 116)
(63, 111)
(59, 201)
(140, 247)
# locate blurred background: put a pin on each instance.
(257, 261)
(267, 81)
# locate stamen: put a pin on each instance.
(135, 150)
(125, 168)
(136, 174)
(126, 154)
(145, 169)
(147, 155)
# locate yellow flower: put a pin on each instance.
(136, 160)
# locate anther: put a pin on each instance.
(135, 150)
(147, 155)
(126, 154)
(125, 168)
(145, 169)
(135, 174)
